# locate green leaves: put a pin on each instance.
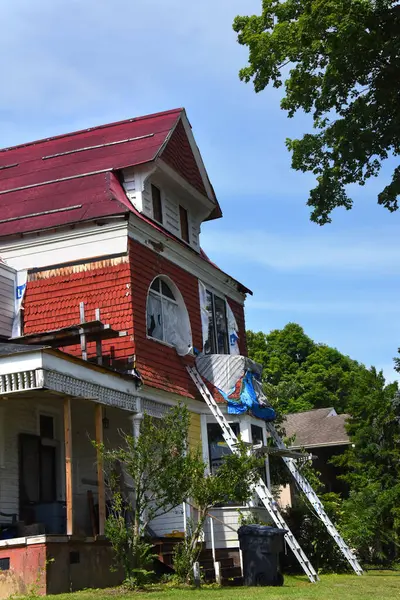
(344, 58)
(300, 374)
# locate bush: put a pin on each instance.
(313, 537)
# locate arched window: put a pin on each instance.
(167, 317)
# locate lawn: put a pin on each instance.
(375, 585)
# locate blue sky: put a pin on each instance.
(69, 64)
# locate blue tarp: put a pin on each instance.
(248, 401)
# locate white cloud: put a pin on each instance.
(359, 252)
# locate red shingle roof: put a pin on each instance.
(62, 203)
(66, 176)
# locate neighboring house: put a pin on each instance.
(100, 233)
(323, 433)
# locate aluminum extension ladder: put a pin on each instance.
(315, 502)
(260, 488)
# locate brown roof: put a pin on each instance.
(317, 428)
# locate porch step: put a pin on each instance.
(231, 573)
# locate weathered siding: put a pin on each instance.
(7, 293)
(53, 296)
(195, 431)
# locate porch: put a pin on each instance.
(53, 407)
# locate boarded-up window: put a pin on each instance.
(156, 201)
(183, 215)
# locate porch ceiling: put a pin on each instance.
(53, 373)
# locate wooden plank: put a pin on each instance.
(83, 336)
(68, 465)
(100, 468)
(99, 352)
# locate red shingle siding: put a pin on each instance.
(159, 364)
(178, 155)
(119, 287)
(52, 301)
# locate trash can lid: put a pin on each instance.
(260, 530)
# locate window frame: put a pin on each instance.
(214, 348)
(160, 200)
(161, 297)
(184, 221)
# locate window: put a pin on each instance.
(157, 205)
(46, 427)
(217, 342)
(183, 216)
(217, 447)
(167, 317)
(257, 438)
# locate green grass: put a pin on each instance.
(375, 585)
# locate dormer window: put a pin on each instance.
(184, 220)
(157, 204)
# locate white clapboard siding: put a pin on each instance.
(7, 293)
(225, 535)
(194, 225)
(169, 522)
(147, 206)
(21, 416)
(171, 215)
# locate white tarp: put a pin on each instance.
(19, 297)
(203, 312)
(233, 331)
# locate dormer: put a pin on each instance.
(174, 190)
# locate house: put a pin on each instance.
(100, 238)
(323, 433)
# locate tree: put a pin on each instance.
(371, 515)
(232, 481)
(340, 60)
(159, 468)
(300, 374)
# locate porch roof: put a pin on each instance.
(26, 371)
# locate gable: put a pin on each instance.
(178, 154)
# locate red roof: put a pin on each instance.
(66, 179)
(62, 203)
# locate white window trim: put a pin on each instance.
(189, 220)
(178, 301)
(162, 298)
(223, 299)
(162, 202)
(245, 422)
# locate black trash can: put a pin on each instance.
(260, 546)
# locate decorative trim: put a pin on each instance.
(19, 382)
(66, 384)
(154, 409)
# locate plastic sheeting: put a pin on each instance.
(177, 327)
(20, 288)
(169, 322)
(233, 331)
(249, 400)
(238, 379)
(203, 312)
